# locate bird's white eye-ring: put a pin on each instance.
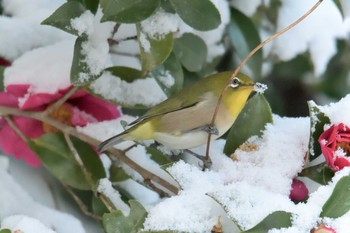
(235, 82)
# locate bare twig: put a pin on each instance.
(81, 204)
(156, 189)
(257, 48)
(106, 202)
(80, 162)
(15, 128)
(61, 101)
(112, 42)
(4, 110)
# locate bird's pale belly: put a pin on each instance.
(187, 140)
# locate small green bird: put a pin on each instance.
(184, 120)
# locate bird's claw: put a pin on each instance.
(211, 129)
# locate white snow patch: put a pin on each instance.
(142, 91)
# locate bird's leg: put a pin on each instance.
(210, 128)
(206, 162)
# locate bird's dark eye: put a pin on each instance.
(235, 82)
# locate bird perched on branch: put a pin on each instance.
(184, 120)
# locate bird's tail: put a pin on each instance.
(111, 141)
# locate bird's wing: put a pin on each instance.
(169, 105)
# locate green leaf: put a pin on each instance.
(317, 120)
(53, 151)
(339, 202)
(98, 207)
(199, 14)
(153, 51)
(170, 69)
(91, 5)
(61, 18)
(127, 11)
(244, 37)
(278, 219)
(127, 74)
(80, 73)
(2, 70)
(5, 230)
(117, 173)
(191, 51)
(320, 173)
(117, 223)
(248, 124)
(340, 7)
(158, 157)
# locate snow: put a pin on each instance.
(260, 88)
(160, 24)
(247, 7)
(96, 47)
(317, 34)
(24, 224)
(113, 88)
(26, 17)
(105, 187)
(338, 112)
(15, 200)
(48, 74)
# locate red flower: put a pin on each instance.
(335, 146)
(299, 191)
(80, 109)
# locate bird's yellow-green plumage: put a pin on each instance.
(181, 121)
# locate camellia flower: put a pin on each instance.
(80, 109)
(335, 146)
(323, 229)
(299, 191)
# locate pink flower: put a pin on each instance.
(299, 191)
(80, 109)
(335, 146)
(323, 229)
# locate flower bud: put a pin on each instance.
(299, 191)
(323, 229)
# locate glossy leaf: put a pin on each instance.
(80, 73)
(340, 7)
(278, 219)
(127, 74)
(5, 231)
(61, 18)
(91, 5)
(117, 223)
(251, 121)
(199, 14)
(244, 37)
(117, 173)
(321, 173)
(158, 156)
(317, 121)
(339, 202)
(54, 153)
(2, 70)
(127, 11)
(153, 51)
(191, 51)
(170, 69)
(98, 207)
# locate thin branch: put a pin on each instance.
(106, 202)
(257, 48)
(15, 128)
(61, 101)
(4, 110)
(80, 162)
(81, 204)
(156, 189)
(112, 42)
